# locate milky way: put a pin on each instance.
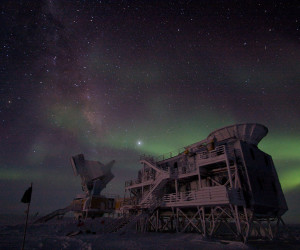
(115, 80)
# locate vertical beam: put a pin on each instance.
(157, 222)
(237, 219)
(213, 222)
(176, 188)
(234, 210)
(276, 230)
(203, 221)
(173, 216)
(245, 167)
(236, 176)
(199, 179)
(250, 226)
(228, 169)
(271, 236)
(177, 220)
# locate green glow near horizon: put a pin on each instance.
(284, 151)
(282, 147)
(166, 134)
(290, 179)
(28, 174)
(162, 131)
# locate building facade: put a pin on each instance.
(223, 185)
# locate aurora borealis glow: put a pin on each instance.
(97, 77)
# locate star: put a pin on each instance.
(154, 78)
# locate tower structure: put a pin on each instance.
(94, 178)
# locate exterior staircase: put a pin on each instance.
(118, 224)
(150, 202)
(125, 223)
(52, 215)
(155, 193)
(156, 188)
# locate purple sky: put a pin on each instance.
(97, 77)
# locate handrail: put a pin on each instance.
(153, 165)
(170, 154)
(203, 155)
(185, 169)
(164, 156)
(219, 150)
(158, 181)
(129, 201)
(204, 194)
(132, 182)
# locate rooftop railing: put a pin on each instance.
(205, 154)
(220, 150)
(162, 157)
(185, 169)
(170, 154)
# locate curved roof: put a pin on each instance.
(249, 132)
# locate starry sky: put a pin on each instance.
(117, 79)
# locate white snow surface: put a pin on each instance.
(53, 235)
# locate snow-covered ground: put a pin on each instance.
(53, 235)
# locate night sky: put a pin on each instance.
(117, 79)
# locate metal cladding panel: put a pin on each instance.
(77, 163)
(96, 169)
(74, 166)
(251, 133)
(100, 184)
(266, 192)
(90, 169)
